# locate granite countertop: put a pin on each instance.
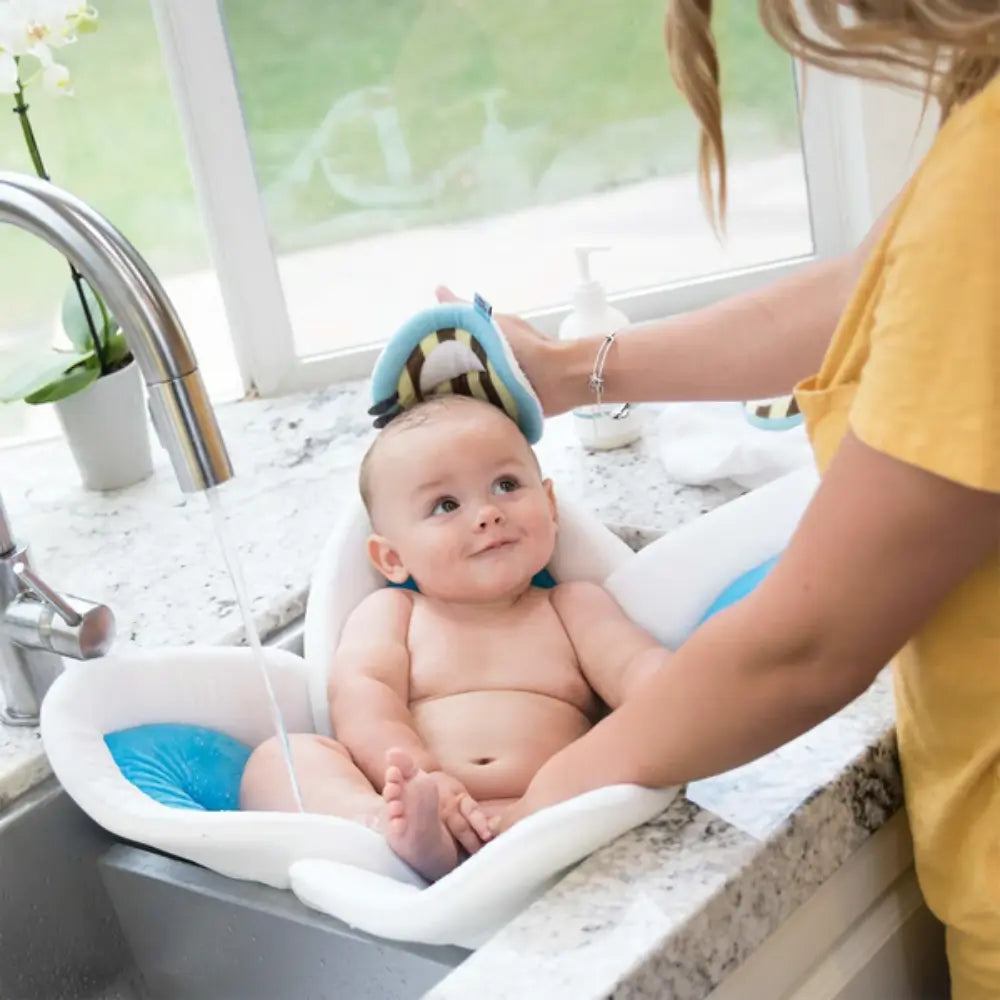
(670, 908)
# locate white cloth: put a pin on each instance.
(702, 443)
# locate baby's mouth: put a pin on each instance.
(496, 545)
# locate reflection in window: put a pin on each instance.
(475, 142)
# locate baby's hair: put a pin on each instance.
(948, 49)
(423, 413)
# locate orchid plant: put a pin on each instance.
(31, 32)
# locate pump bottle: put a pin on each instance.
(592, 315)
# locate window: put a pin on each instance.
(336, 160)
(477, 142)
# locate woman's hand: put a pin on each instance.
(548, 363)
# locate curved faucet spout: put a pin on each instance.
(178, 402)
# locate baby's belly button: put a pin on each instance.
(501, 775)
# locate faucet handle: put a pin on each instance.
(32, 623)
(39, 587)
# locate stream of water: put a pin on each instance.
(253, 637)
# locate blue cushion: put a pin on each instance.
(740, 587)
(189, 767)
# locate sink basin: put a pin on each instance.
(86, 917)
(59, 935)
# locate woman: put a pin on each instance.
(894, 350)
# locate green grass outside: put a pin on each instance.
(568, 70)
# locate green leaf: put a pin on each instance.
(74, 320)
(35, 373)
(116, 350)
(69, 382)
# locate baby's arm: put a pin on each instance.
(368, 687)
(615, 654)
(368, 693)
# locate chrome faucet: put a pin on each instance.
(37, 628)
(37, 625)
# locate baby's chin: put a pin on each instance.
(473, 590)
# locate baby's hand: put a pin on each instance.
(503, 821)
(461, 813)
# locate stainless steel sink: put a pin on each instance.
(59, 936)
(87, 918)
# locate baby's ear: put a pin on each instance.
(550, 492)
(386, 559)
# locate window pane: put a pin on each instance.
(475, 142)
(116, 144)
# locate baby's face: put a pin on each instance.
(459, 504)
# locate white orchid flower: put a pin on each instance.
(34, 28)
(11, 35)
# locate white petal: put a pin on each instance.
(13, 37)
(56, 79)
(8, 74)
(41, 52)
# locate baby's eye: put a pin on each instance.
(445, 506)
(505, 484)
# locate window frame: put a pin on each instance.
(203, 81)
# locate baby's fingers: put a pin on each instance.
(477, 818)
(462, 832)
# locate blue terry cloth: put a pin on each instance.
(453, 348)
(180, 765)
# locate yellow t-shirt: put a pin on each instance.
(914, 370)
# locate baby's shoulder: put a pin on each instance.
(578, 597)
(385, 611)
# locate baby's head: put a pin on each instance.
(457, 501)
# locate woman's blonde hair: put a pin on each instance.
(950, 49)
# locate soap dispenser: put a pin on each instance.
(599, 428)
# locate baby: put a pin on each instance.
(447, 701)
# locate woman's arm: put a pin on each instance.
(757, 344)
(801, 646)
(751, 346)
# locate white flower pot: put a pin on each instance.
(107, 430)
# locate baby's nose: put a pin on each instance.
(489, 515)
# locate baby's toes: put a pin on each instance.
(392, 790)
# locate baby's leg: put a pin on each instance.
(329, 780)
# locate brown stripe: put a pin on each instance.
(414, 365)
(460, 385)
(491, 393)
(793, 408)
(479, 351)
(448, 333)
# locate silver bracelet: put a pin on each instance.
(596, 380)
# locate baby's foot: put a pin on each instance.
(414, 828)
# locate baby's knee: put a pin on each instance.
(265, 783)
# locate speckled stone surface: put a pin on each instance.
(667, 910)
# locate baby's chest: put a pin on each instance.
(534, 654)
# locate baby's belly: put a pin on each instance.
(495, 741)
